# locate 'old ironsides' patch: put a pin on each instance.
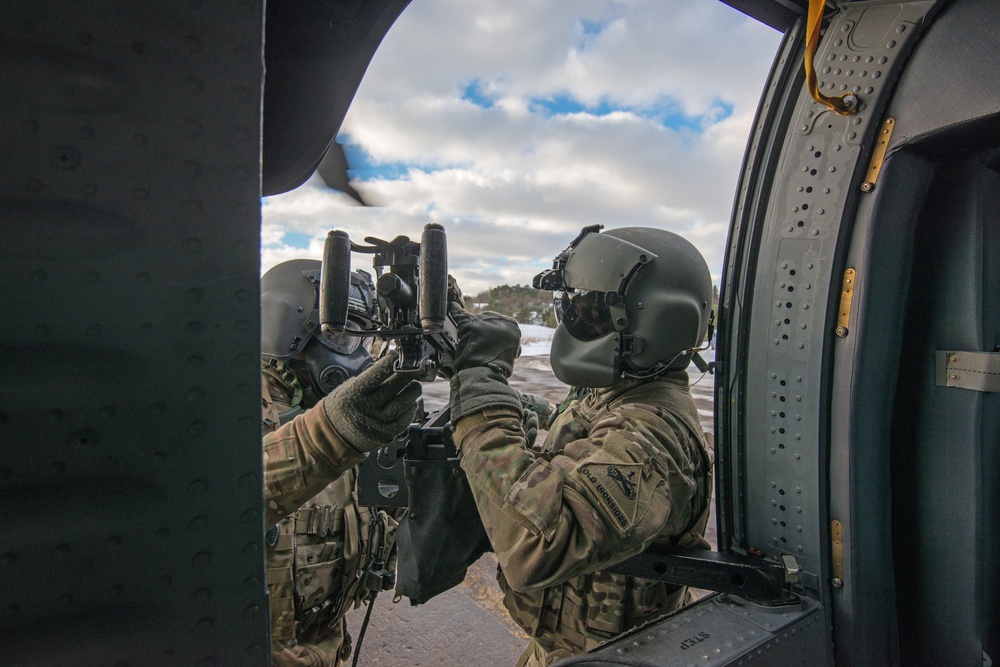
(617, 487)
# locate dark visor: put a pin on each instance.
(584, 313)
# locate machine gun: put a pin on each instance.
(412, 287)
(440, 532)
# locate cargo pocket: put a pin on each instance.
(282, 473)
(606, 616)
(646, 599)
(525, 609)
(316, 583)
(542, 481)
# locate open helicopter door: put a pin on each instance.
(856, 405)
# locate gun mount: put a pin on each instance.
(412, 287)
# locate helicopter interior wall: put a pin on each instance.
(130, 461)
(944, 448)
(866, 368)
(922, 459)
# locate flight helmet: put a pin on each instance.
(631, 302)
(290, 332)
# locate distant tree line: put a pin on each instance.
(528, 305)
(525, 304)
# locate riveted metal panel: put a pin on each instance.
(727, 630)
(824, 157)
(130, 466)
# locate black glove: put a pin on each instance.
(371, 409)
(488, 339)
(484, 359)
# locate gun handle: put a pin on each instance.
(433, 277)
(335, 282)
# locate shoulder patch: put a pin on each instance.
(617, 488)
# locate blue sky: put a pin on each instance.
(515, 123)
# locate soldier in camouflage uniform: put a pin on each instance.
(625, 464)
(321, 545)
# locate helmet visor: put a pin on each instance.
(584, 313)
(345, 343)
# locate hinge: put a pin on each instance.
(846, 296)
(837, 560)
(878, 155)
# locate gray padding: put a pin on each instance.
(953, 78)
(944, 441)
(863, 398)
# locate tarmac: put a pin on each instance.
(468, 624)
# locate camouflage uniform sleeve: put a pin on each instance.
(603, 499)
(300, 459)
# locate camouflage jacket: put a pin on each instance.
(320, 542)
(621, 468)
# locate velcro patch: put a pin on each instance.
(617, 487)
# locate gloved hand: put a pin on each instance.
(371, 409)
(455, 292)
(529, 422)
(536, 411)
(484, 358)
(488, 339)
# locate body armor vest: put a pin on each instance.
(318, 558)
(587, 610)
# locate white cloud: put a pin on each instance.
(513, 183)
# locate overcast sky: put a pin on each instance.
(514, 123)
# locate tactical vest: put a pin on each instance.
(317, 560)
(587, 610)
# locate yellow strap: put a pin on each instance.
(847, 103)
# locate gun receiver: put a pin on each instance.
(412, 286)
(440, 533)
(382, 477)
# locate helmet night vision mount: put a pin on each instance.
(412, 287)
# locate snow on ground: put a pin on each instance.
(536, 340)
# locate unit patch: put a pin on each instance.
(616, 486)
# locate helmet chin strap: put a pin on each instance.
(289, 377)
(659, 368)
